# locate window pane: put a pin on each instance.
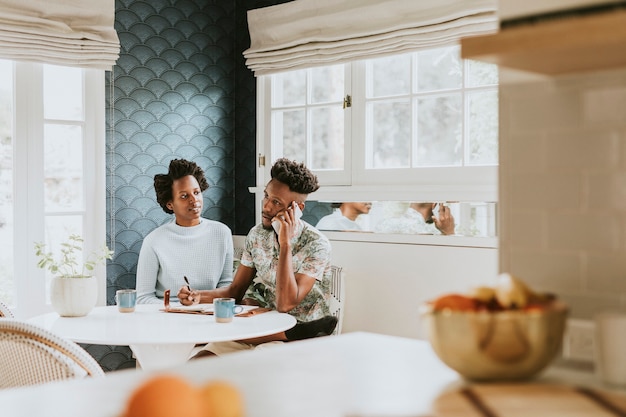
(391, 134)
(7, 284)
(63, 93)
(480, 73)
(289, 88)
(327, 138)
(63, 168)
(289, 130)
(439, 131)
(327, 84)
(390, 76)
(483, 128)
(439, 69)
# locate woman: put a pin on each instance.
(189, 247)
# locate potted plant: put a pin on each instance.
(74, 290)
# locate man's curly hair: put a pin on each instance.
(178, 168)
(295, 175)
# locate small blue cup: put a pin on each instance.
(225, 309)
(126, 300)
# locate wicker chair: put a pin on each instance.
(31, 355)
(5, 311)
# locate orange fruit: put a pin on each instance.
(455, 302)
(165, 396)
(221, 399)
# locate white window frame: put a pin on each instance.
(28, 182)
(467, 183)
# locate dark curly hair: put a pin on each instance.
(295, 175)
(178, 168)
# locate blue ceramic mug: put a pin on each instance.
(126, 300)
(225, 309)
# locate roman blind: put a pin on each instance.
(63, 32)
(306, 33)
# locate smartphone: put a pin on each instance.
(297, 213)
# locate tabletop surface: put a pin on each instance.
(149, 325)
(354, 374)
(350, 375)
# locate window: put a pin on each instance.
(421, 120)
(421, 126)
(51, 172)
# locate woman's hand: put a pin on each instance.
(188, 297)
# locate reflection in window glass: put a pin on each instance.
(7, 284)
(475, 219)
(63, 168)
(63, 93)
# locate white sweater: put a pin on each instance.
(202, 253)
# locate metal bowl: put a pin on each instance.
(493, 346)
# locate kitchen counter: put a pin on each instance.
(354, 374)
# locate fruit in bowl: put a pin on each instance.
(505, 332)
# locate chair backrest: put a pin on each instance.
(5, 311)
(337, 295)
(32, 355)
(238, 251)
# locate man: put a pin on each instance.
(293, 263)
(344, 218)
(419, 218)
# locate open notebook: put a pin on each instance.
(208, 309)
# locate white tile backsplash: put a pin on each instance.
(563, 187)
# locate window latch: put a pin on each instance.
(347, 101)
(261, 160)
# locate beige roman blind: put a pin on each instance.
(307, 33)
(76, 33)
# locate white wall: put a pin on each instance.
(563, 187)
(386, 282)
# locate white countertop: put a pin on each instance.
(354, 374)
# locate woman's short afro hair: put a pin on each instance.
(178, 168)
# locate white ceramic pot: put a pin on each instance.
(73, 296)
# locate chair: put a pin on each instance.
(5, 311)
(337, 295)
(31, 355)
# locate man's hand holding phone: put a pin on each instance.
(288, 218)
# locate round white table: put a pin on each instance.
(159, 339)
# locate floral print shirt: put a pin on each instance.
(311, 256)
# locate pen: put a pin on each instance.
(187, 281)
